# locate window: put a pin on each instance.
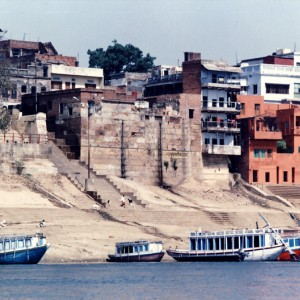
(254, 88)
(23, 89)
(221, 79)
(263, 153)
(56, 85)
(257, 107)
(221, 141)
(33, 90)
(191, 113)
(68, 85)
(61, 108)
(73, 85)
(14, 93)
(298, 149)
(256, 153)
(90, 85)
(214, 102)
(70, 111)
(285, 176)
(269, 152)
(221, 102)
(214, 141)
(45, 72)
(255, 175)
(267, 177)
(277, 88)
(207, 141)
(214, 78)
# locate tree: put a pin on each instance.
(118, 58)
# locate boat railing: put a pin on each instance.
(229, 232)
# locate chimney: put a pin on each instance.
(191, 73)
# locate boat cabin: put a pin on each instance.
(231, 240)
(138, 247)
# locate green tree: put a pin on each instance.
(281, 146)
(118, 58)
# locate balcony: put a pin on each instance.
(230, 84)
(217, 106)
(221, 149)
(164, 79)
(267, 135)
(277, 70)
(221, 126)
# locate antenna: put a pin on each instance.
(236, 57)
(294, 47)
(24, 35)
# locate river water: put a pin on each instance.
(166, 280)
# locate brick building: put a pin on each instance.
(270, 141)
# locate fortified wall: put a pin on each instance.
(156, 146)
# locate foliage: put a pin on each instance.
(5, 118)
(118, 58)
(281, 146)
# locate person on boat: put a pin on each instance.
(122, 204)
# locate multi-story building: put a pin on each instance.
(37, 67)
(270, 141)
(275, 77)
(220, 129)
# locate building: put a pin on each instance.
(270, 141)
(275, 77)
(37, 67)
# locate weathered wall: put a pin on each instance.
(143, 129)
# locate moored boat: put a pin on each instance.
(231, 245)
(138, 251)
(22, 249)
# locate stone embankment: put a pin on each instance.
(81, 230)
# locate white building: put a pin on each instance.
(69, 77)
(220, 83)
(276, 77)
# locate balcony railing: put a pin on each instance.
(23, 138)
(268, 135)
(215, 105)
(168, 78)
(273, 69)
(221, 149)
(221, 126)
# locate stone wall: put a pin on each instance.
(154, 141)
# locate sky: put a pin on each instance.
(231, 30)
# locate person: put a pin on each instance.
(122, 204)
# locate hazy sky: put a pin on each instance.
(220, 29)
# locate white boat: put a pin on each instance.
(231, 245)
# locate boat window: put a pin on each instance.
(136, 249)
(210, 244)
(249, 243)
(141, 248)
(256, 241)
(13, 244)
(28, 243)
(1, 245)
(291, 242)
(222, 240)
(118, 250)
(203, 244)
(193, 244)
(217, 244)
(21, 243)
(229, 242)
(297, 242)
(130, 249)
(198, 245)
(7, 246)
(146, 247)
(236, 244)
(262, 241)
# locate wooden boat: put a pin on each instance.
(231, 245)
(22, 249)
(294, 244)
(138, 251)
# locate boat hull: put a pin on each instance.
(190, 257)
(23, 256)
(151, 257)
(285, 256)
(263, 254)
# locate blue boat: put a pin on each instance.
(22, 249)
(138, 251)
